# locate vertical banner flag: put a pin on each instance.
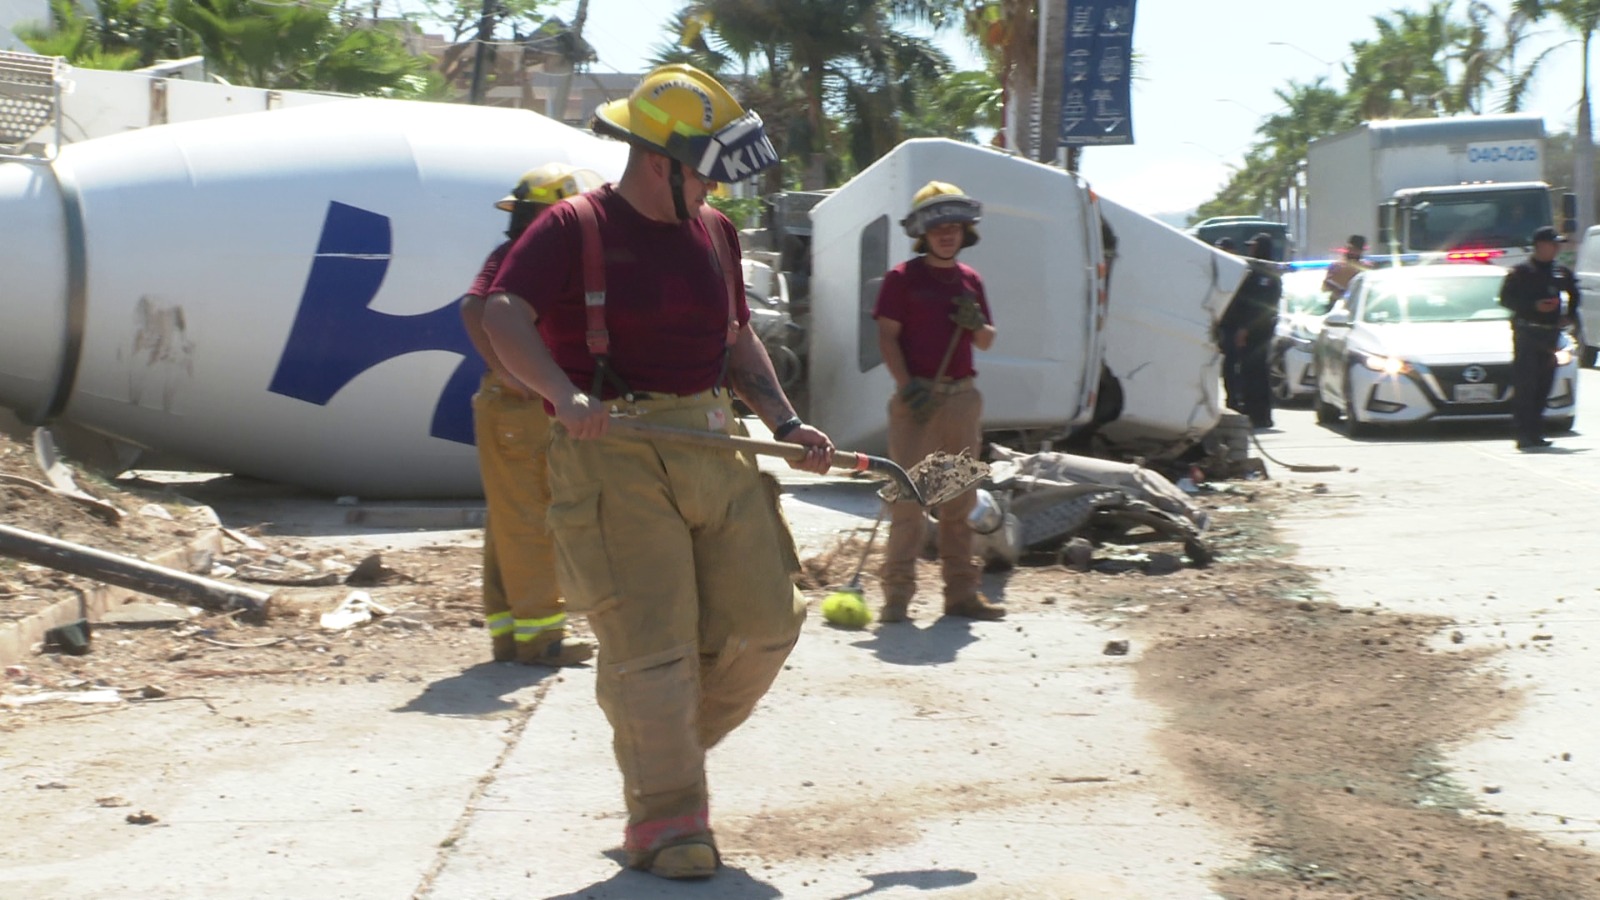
(1099, 48)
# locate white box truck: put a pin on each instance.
(1470, 186)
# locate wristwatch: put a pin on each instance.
(782, 429)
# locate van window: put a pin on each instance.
(1589, 252)
(874, 262)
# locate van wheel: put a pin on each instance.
(1563, 425)
(1589, 357)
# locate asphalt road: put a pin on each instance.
(1453, 521)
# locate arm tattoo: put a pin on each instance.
(761, 393)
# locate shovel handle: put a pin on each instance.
(841, 459)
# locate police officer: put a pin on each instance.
(1532, 291)
(1247, 326)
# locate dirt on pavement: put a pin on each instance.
(1315, 729)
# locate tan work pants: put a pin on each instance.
(682, 560)
(521, 602)
(954, 426)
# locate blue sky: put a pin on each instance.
(1206, 81)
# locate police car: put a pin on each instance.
(1300, 313)
(1423, 343)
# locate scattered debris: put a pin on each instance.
(357, 609)
(142, 818)
(1115, 648)
(73, 638)
(1057, 497)
(106, 695)
(125, 571)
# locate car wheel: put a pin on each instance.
(1327, 413)
(1353, 426)
(1278, 378)
(1589, 357)
(1561, 426)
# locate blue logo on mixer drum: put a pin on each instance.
(337, 336)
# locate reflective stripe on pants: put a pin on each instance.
(519, 580)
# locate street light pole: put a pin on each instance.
(485, 32)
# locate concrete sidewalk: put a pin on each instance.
(942, 759)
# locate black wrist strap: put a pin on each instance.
(782, 429)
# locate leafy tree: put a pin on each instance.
(1402, 74)
(462, 18)
(837, 74)
(288, 46)
(956, 106)
(127, 34)
(297, 47)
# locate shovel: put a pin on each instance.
(930, 482)
(842, 459)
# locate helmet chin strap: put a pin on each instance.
(676, 180)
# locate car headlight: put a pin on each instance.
(1564, 356)
(1388, 365)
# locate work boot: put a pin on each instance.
(503, 647)
(895, 611)
(974, 606)
(686, 858)
(565, 650)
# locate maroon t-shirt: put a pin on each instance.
(666, 296)
(481, 284)
(921, 298)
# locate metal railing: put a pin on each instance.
(30, 105)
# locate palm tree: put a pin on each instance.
(1403, 72)
(1583, 18)
(300, 48)
(1517, 78)
(847, 60)
(956, 106)
(1007, 33)
(126, 34)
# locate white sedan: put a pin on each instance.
(1300, 315)
(1427, 343)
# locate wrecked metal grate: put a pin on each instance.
(28, 96)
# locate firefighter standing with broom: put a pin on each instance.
(931, 313)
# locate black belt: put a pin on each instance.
(1537, 326)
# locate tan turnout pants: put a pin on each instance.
(681, 559)
(954, 426)
(521, 601)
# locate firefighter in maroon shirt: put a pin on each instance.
(521, 603)
(931, 313)
(678, 554)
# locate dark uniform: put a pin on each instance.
(1254, 313)
(1532, 291)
